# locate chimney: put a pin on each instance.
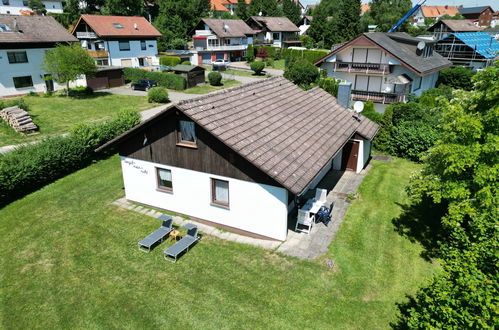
(344, 91)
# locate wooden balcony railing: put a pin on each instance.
(378, 97)
(362, 67)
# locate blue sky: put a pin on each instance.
(466, 3)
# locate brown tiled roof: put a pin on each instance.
(103, 26)
(39, 29)
(236, 27)
(458, 25)
(437, 11)
(287, 133)
(219, 5)
(276, 24)
(364, 8)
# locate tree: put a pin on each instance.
(291, 10)
(266, 7)
(302, 73)
(37, 6)
(458, 77)
(123, 7)
(386, 13)
(242, 10)
(346, 21)
(68, 63)
(321, 28)
(460, 173)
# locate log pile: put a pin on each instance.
(19, 119)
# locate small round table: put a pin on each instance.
(174, 234)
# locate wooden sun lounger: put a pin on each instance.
(174, 251)
(157, 236)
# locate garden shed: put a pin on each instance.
(193, 74)
(107, 77)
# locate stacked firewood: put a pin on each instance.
(19, 119)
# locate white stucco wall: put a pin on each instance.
(15, 6)
(257, 208)
(33, 68)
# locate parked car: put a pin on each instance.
(220, 65)
(144, 85)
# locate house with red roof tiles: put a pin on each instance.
(433, 12)
(126, 41)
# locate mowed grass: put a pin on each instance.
(58, 114)
(207, 88)
(69, 259)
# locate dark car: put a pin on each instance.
(144, 85)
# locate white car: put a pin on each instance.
(220, 64)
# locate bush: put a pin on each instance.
(157, 95)
(81, 91)
(164, 79)
(307, 41)
(330, 85)
(370, 112)
(458, 77)
(33, 94)
(429, 98)
(302, 73)
(257, 67)
(10, 103)
(412, 139)
(169, 60)
(250, 53)
(215, 78)
(186, 63)
(269, 62)
(30, 167)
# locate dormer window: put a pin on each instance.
(186, 134)
(118, 25)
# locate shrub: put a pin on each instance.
(257, 67)
(429, 98)
(330, 85)
(157, 95)
(30, 167)
(186, 63)
(250, 53)
(269, 62)
(458, 77)
(412, 139)
(81, 91)
(215, 78)
(165, 79)
(370, 112)
(10, 103)
(169, 60)
(307, 41)
(383, 139)
(302, 73)
(33, 94)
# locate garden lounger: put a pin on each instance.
(183, 245)
(158, 235)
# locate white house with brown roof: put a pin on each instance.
(433, 12)
(126, 41)
(21, 7)
(274, 31)
(242, 158)
(23, 43)
(385, 67)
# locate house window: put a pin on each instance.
(102, 62)
(164, 179)
(220, 192)
(142, 45)
(187, 133)
(5, 2)
(124, 45)
(25, 3)
(22, 82)
(276, 36)
(17, 57)
(89, 45)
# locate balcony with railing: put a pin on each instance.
(378, 97)
(222, 47)
(366, 68)
(86, 35)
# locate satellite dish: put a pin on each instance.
(421, 45)
(358, 106)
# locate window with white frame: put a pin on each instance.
(220, 192)
(164, 179)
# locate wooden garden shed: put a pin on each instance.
(193, 74)
(107, 77)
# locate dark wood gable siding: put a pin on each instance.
(210, 156)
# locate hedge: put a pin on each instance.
(169, 60)
(157, 95)
(165, 79)
(30, 167)
(309, 55)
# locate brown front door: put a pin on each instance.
(350, 156)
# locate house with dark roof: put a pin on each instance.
(481, 15)
(446, 26)
(243, 157)
(126, 41)
(224, 39)
(472, 50)
(274, 31)
(23, 43)
(385, 67)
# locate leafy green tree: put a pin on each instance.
(461, 173)
(346, 21)
(458, 77)
(37, 6)
(242, 10)
(123, 7)
(385, 13)
(302, 73)
(257, 67)
(291, 10)
(458, 16)
(68, 63)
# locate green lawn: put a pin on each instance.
(237, 72)
(58, 114)
(279, 64)
(70, 259)
(207, 88)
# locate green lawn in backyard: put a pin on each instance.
(237, 72)
(278, 64)
(207, 88)
(69, 259)
(58, 114)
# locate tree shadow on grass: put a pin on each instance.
(420, 222)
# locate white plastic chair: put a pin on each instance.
(304, 219)
(320, 195)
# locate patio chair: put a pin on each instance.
(174, 251)
(320, 195)
(304, 219)
(157, 236)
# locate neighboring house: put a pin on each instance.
(241, 158)
(23, 43)
(304, 24)
(494, 32)
(481, 15)
(433, 12)
(473, 50)
(274, 31)
(443, 27)
(214, 39)
(126, 41)
(385, 67)
(495, 20)
(20, 7)
(225, 5)
(364, 8)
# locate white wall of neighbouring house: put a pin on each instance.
(254, 207)
(117, 56)
(15, 6)
(32, 68)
